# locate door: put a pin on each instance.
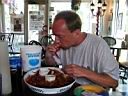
(36, 15)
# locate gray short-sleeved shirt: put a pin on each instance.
(92, 53)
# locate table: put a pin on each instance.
(28, 92)
(14, 53)
(19, 88)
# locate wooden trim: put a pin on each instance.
(69, 0)
(37, 1)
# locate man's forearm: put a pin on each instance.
(101, 79)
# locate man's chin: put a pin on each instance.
(65, 47)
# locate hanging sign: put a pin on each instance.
(36, 20)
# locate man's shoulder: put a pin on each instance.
(94, 38)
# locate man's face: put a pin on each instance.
(62, 34)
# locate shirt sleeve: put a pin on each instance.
(106, 61)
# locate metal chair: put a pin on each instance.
(2, 37)
(33, 42)
(9, 38)
(110, 40)
(46, 40)
(10, 41)
(123, 71)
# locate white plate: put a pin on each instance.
(46, 90)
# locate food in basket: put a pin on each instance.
(49, 78)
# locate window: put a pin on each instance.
(84, 13)
(14, 8)
(120, 19)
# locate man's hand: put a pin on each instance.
(50, 52)
(52, 49)
(74, 70)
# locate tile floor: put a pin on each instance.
(122, 89)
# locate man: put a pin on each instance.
(84, 56)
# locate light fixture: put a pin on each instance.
(75, 4)
(101, 8)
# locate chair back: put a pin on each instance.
(46, 40)
(9, 38)
(33, 42)
(2, 37)
(110, 40)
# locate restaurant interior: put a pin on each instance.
(28, 22)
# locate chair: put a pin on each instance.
(10, 41)
(123, 71)
(2, 37)
(110, 40)
(9, 38)
(123, 66)
(33, 42)
(46, 40)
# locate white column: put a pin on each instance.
(5, 68)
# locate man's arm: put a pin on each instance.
(102, 79)
(51, 51)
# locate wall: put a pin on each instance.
(0, 18)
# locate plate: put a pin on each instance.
(46, 90)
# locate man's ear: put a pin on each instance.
(76, 32)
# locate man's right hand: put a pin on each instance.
(52, 49)
(50, 52)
